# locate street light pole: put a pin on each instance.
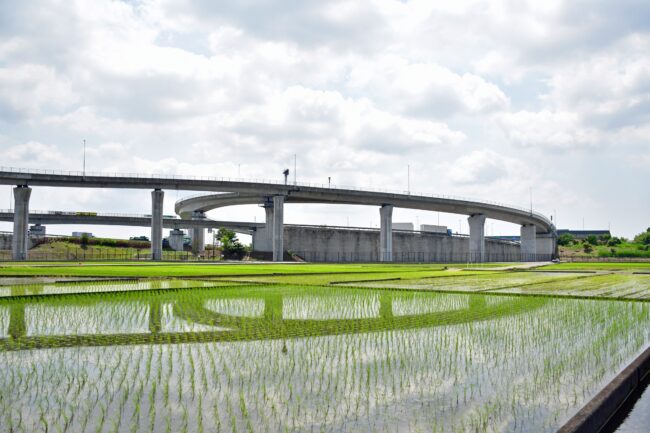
(408, 179)
(84, 165)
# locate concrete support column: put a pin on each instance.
(476, 237)
(198, 234)
(21, 222)
(386, 233)
(278, 228)
(157, 197)
(176, 238)
(528, 242)
(268, 228)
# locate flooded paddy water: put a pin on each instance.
(183, 355)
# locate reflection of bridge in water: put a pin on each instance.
(271, 324)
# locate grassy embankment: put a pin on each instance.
(622, 250)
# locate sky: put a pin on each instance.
(505, 101)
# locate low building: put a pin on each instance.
(81, 234)
(431, 228)
(37, 230)
(403, 226)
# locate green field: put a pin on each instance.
(601, 266)
(304, 347)
(150, 269)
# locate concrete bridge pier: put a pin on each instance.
(528, 242)
(157, 197)
(278, 228)
(386, 233)
(21, 222)
(176, 238)
(476, 237)
(198, 234)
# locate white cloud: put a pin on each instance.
(480, 166)
(547, 129)
(464, 92)
(610, 89)
(32, 154)
(425, 89)
(30, 90)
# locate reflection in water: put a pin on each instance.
(303, 359)
(254, 314)
(245, 307)
(102, 287)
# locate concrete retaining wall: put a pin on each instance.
(335, 245)
(5, 242)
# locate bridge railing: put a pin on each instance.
(262, 180)
(87, 213)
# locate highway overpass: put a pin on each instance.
(273, 195)
(103, 219)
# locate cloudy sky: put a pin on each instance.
(490, 100)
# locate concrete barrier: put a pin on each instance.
(597, 412)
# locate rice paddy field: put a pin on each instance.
(311, 348)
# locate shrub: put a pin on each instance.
(565, 239)
(591, 239)
(588, 248)
(613, 241)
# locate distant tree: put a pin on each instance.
(565, 239)
(643, 238)
(85, 240)
(230, 245)
(591, 239)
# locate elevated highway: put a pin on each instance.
(534, 226)
(272, 195)
(62, 217)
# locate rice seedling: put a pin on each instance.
(309, 358)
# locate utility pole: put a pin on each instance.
(408, 179)
(84, 165)
(329, 181)
(294, 170)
